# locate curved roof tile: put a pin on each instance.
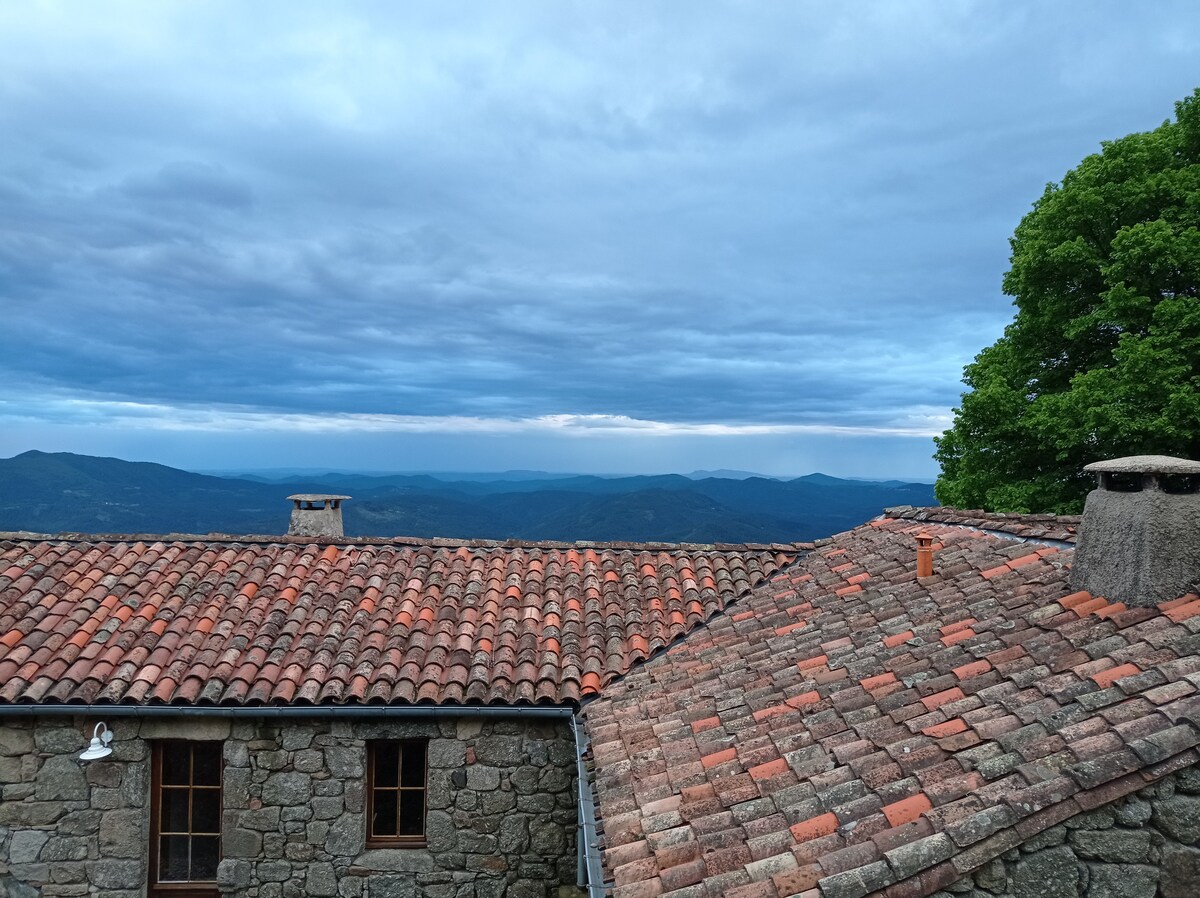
(253, 621)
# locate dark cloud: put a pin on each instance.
(185, 184)
(784, 215)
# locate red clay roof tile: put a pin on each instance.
(1184, 612)
(821, 825)
(906, 810)
(1106, 678)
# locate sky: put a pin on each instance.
(597, 237)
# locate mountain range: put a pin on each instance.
(62, 492)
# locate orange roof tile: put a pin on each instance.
(817, 826)
(907, 809)
(1106, 678)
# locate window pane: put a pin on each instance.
(387, 763)
(176, 763)
(412, 812)
(205, 851)
(206, 810)
(206, 763)
(173, 859)
(188, 800)
(173, 814)
(412, 770)
(383, 822)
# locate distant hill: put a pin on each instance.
(724, 473)
(61, 492)
(53, 492)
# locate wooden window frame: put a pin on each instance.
(189, 889)
(398, 841)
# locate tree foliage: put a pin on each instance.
(1103, 357)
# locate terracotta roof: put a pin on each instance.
(247, 620)
(849, 730)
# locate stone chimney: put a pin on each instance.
(1139, 542)
(316, 514)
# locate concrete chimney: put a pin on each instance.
(1139, 541)
(316, 514)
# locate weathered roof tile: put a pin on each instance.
(929, 725)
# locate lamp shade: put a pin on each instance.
(99, 747)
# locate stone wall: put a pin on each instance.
(501, 817)
(1146, 845)
(67, 829)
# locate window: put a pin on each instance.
(396, 793)
(185, 819)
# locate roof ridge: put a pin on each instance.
(1050, 528)
(949, 511)
(431, 541)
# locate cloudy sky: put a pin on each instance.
(605, 237)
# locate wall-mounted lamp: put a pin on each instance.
(99, 747)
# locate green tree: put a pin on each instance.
(1103, 357)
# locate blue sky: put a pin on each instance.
(574, 237)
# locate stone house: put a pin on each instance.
(303, 715)
(935, 703)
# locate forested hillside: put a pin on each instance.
(60, 492)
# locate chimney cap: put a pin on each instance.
(316, 514)
(1138, 541)
(1144, 464)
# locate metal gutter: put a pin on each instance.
(589, 870)
(275, 712)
